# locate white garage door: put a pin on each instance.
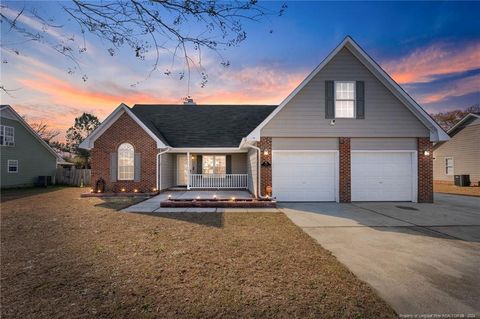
(303, 176)
(382, 176)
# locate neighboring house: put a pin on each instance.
(24, 155)
(348, 132)
(461, 154)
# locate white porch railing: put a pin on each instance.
(218, 180)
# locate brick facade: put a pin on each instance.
(125, 129)
(345, 183)
(265, 144)
(425, 170)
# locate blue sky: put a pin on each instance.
(431, 48)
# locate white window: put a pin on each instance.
(345, 99)
(449, 165)
(126, 162)
(214, 164)
(12, 166)
(7, 135)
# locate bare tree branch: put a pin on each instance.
(180, 27)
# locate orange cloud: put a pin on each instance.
(424, 63)
(63, 92)
(57, 100)
(459, 88)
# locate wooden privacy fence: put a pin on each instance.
(73, 176)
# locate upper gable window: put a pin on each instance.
(345, 99)
(7, 135)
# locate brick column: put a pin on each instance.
(344, 178)
(265, 144)
(425, 170)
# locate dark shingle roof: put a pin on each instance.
(202, 125)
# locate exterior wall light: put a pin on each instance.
(198, 197)
(135, 190)
(214, 196)
(265, 152)
(123, 189)
(154, 189)
(169, 196)
(233, 198)
(426, 153)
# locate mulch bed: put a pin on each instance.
(71, 257)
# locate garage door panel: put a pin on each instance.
(382, 176)
(303, 176)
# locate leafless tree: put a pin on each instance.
(46, 133)
(182, 28)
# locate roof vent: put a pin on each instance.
(188, 101)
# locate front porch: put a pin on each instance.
(205, 171)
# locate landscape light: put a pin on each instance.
(99, 191)
(135, 190)
(233, 198)
(214, 196)
(92, 190)
(169, 196)
(123, 189)
(198, 197)
(154, 189)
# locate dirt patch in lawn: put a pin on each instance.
(458, 190)
(63, 256)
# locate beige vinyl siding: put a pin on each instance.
(464, 148)
(386, 144)
(385, 115)
(239, 163)
(307, 143)
(252, 169)
(33, 158)
(168, 170)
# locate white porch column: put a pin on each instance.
(188, 170)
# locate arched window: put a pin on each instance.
(126, 162)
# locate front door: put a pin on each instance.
(182, 170)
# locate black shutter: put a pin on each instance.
(329, 100)
(229, 164)
(199, 164)
(360, 107)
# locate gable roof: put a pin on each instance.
(20, 119)
(436, 132)
(467, 119)
(87, 143)
(202, 125)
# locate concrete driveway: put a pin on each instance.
(421, 258)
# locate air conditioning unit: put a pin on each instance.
(462, 180)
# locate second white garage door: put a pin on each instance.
(304, 176)
(383, 176)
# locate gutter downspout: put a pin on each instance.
(258, 192)
(159, 171)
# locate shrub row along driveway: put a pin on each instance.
(63, 256)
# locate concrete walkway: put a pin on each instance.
(421, 258)
(152, 205)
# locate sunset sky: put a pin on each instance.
(431, 48)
